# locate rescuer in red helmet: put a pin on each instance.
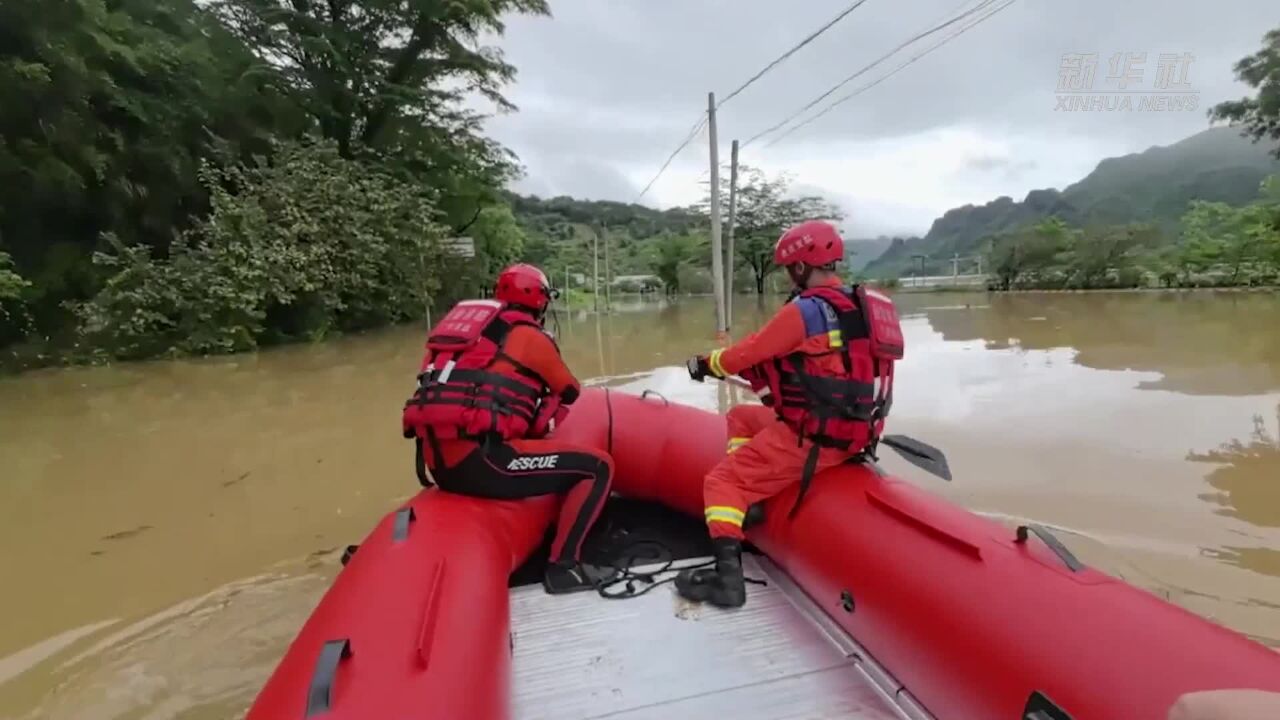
(491, 386)
(823, 366)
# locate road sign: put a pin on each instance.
(460, 246)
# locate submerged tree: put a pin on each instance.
(304, 246)
(1027, 251)
(1097, 252)
(673, 252)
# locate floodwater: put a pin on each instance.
(165, 528)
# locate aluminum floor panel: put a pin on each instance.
(581, 656)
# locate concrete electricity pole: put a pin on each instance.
(717, 257)
(728, 253)
(608, 297)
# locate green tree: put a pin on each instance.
(499, 241)
(12, 312)
(1097, 252)
(764, 210)
(305, 245)
(1182, 263)
(1029, 251)
(1245, 240)
(11, 283)
(1259, 116)
(391, 76)
(107, 110)
(1267, 223)
(673, 252)
(1223, 232)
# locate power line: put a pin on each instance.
(893, 72)
(875, 63)
(693, 133)
(702, 121)
(777, 61)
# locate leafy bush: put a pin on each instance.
(11, 283)
(1130, 277)
(306, 245)
(13, 315)
(694, 279)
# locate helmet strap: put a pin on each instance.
(539, 315)
(799, 274)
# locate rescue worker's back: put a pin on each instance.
(492, 385)
(824, 367)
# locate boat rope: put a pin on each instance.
(635, 583)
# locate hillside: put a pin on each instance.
(1151, 186)
(860, 253)
(636, 220)
(559, 231)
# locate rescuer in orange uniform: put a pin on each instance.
(491, 386)
(823, 366)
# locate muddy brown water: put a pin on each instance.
(165, 528)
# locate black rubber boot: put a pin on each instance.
(724, 586)
(569, 577)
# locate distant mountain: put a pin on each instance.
(861, 252)
(1151, 186)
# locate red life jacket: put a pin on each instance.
(844, 409)
(460, 394)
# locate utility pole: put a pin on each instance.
(717, 257)
(955, 267)
(728, 253)
(608, 274)
(595, 259)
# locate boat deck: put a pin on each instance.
(658, 656)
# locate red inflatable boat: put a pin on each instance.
(880, 601)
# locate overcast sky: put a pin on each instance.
(607, 88)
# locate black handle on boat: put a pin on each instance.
(400, 527)
(1042, 532)
(320, 694)
(647, 393)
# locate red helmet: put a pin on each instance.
(813, 242)
(523, 285)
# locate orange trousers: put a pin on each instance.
(764, 459)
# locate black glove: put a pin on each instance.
(698, 367)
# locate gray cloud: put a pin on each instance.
(608, 87)
(549, 175)
(1006, 166)
(986, 163)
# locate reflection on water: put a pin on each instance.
(137, 499)
(1247, 486)
(1247, 479)
(1201, 343)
